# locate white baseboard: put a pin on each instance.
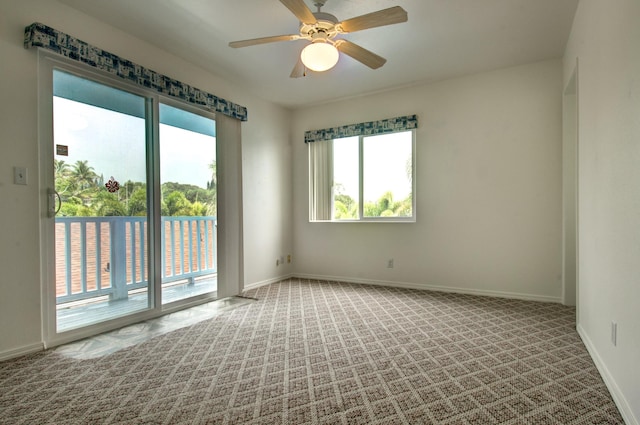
(616, 393)
(410, 285)
(21, 351)
(266, 282)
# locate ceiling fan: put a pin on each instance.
(321, 29)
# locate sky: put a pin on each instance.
(384, 162)
(114, 145)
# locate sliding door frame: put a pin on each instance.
(47, 62)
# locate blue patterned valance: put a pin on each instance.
(39, 35)
(390, 125)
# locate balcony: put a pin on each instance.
(102, 265)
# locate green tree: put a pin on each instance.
(60, 168)
(84, 175)
(213, 183)
(345, 207)
(137, 202)
(178, 204)
(73, 207)
(83, 194)
(198, 209)
(107, 204)
(385, 206)
(212, 188)
(62, 176)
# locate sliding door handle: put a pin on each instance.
(52, 210)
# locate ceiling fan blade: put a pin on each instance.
(393, 15)
(298, 70)
(360, 54)
(263, 40)
(302, 12)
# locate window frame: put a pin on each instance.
(361, 217)
(48, 63)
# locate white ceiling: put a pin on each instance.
(442, 39)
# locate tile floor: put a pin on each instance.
(110, 342)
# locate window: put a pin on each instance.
(364, 178)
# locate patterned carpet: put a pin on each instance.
(313, 352)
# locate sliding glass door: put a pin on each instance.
(100, 172)
(132, 204)
(189, 204)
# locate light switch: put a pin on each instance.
(19, 175)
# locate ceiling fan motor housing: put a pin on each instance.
(323, 29)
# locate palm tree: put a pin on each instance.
(385, 206)
(60, 168)
(212, 186)
(84, 175)
(61, 176)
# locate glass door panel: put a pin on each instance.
(189, 204)
(100, 171)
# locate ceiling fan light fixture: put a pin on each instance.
(322, 29)
(319, 56)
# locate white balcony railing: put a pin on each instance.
(107, 256)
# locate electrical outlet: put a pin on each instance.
(289, 258)
(282, 259)
(277, 262)
(390, 263)
(614, 333)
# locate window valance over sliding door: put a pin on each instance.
(40, 35)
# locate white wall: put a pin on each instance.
(604, 39)
(488, 188)
(569, 192)
(266, 161)
(488, 176)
